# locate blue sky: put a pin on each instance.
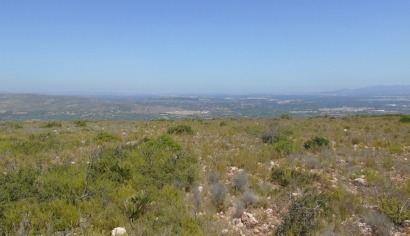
(202, 46)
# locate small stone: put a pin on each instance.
(360, 182)
(248, 219)
(236, 221)
(119, 231)
(200, 188)
(264, 228)
(406, 223)
(256, 231)
(224, 231)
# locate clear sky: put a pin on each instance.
(202, 46)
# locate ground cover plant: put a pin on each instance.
(281, 176)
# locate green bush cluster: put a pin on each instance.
(395, 208)
(52, 124)
(80, 123)
(104, 136)
(284, 146)
(316, 142)
(180, 129)
(278, 136)
(405, 119)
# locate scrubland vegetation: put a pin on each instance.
(283, 176)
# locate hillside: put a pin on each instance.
(323, 176)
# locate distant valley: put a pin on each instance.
(373, 100)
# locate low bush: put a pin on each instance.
(380, 223)
(196, 194)
(239, 209)
(303, 217)
(106, 137)
(80, 123)
(52, 124)
(213, 177)
(284, 146)
(405, 119)
(273, 133)
(180, 129)
(397, 209)
(18, 185)
(249, 198)
(316, 142)
(138, 205)
(219, 193)
(240, 181)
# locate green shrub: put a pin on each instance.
(80, 123)
(396, 148)
(165, 143)
(274, 133)
(65, 216)
(405, 119)
(52, 124)
(285, 117)
(18, 185)
(164, 162)
(180, 129)
(396, 209)
(279, 138)
(316, 143)
(106, 137)
(168, 215)
(63, 182)
(284, 146)
(138, 205)
(342, 204)
(110, 168)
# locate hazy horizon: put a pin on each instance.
(202, 47)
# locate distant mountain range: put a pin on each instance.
(396, 90)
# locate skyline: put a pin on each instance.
(186, 47)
